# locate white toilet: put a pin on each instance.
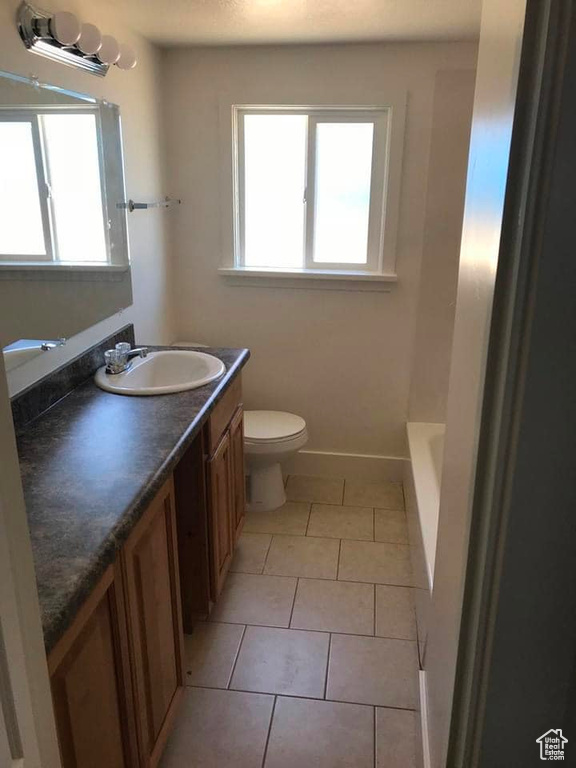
(270, 437)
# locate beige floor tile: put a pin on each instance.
(251, 599)
(320, 734)
(395, 616)
(375, 563)
(211, 652)
(385, 495)
(300, 556)
(334, 606)
(284, 661)
(373, 670)
(340, 522)
(292, 518)
(396, 739)
(219, 728)
(390, 525)
(325, 490)
(251, 552)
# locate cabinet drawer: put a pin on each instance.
(222, 414)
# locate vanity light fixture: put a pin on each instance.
(61, 37)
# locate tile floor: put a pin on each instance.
(310, 657)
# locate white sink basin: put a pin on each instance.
(162, 373)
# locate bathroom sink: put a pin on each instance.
(163, 373)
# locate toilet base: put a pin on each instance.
(265, 488)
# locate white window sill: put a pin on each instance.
(60, 266)
(316, 278)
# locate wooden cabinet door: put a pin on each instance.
(221, 533)
(150, 558)
(238, 479)
(91, 685)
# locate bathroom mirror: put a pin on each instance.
(64, 262)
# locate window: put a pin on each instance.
(51, 187)
(310, 190)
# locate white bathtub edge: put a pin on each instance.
(426, 486)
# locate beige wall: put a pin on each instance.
(453, 98)
(341, 359)
(138, 94)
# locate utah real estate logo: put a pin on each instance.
(552, 744)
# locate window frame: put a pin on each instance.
(380, 260)
(33, 114)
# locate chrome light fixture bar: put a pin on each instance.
(60, 37)
(35, 31)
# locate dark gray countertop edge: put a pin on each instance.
(58, 622)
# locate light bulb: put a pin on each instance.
(90, 39)
(65, 28)
(109, 52)
(127, 58)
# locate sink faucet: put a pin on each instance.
(118, 360)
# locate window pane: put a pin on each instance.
(275, 177)
(21, 232)
(343, 173)
(72, 152)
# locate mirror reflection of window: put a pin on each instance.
(21, 232)
(51, 187)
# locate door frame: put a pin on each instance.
(27, 730)
(517, 649)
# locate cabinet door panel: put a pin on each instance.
(152, 580)
(221, 535)
(91, 684)
(238, 480)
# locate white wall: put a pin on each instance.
(340, 359)
(138, 94)
(453, 98)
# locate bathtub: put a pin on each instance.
(422, 486)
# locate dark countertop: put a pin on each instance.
(90, 466)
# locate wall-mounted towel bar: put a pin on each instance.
(166, 203)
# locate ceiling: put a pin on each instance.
(229, 22)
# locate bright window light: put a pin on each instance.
(21, 230)
(274, 184)
(71, 142)
(311, 189)
(342, 199)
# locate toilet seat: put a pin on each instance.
(264, 428)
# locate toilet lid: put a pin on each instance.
(271, 425)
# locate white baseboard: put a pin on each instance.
(350, 466)
(426, 761)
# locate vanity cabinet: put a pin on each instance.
(91, 683)
(150, 565)
(117, 674)
(225, 479)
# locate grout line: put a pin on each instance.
(293, 602)
(267, 553)
(343, 491)
(373, 524)
(309, 518)
(313, 536)
(327, 666)
(237, 656)
(339, 556)
(265, 754)
(375, 610)
(304, 696)
(375, 741)
(320, 631)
